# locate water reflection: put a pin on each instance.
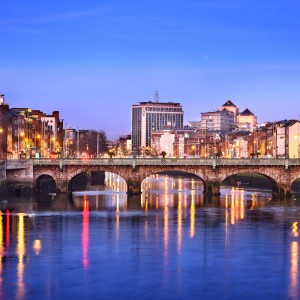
(21, 254)
(171, 238)
(85, 233)
(112, 195)
(1, 250)
(159, 191)
(294, 271)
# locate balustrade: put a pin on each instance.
(165, 161)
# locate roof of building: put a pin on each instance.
(159, 103)
(290, 123)
(247, 112)
(229, 103)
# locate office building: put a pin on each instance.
(148, 117)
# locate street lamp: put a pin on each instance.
(20, 135)
(1, 140)
(193, 150)
(52, 146)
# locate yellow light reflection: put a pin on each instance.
(193, 184)
(295, 232)
(166, 228)
(37, 246)
(237, 206)
(20, 253)
(232, 209)
(192, 212)
(179, 228)
(293, 288)
(254, 200)
(226, 201)
(179, 184)
(242, 209)
(7, 228)
(166, 183)
(146, 229)
(85, 233)
(118, 217)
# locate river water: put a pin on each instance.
(168, 243)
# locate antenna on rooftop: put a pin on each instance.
(156, 96)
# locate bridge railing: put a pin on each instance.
(165, 162)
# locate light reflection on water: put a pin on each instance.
(171, 242)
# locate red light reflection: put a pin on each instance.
(85, 233)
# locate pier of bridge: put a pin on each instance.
(26, 173)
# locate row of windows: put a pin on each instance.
(170, 109)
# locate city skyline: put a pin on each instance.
(90, 59)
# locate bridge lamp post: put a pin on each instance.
(193, 152)
(37, 138)
(52, 144)
(20, 135)
(1, 141)
(134, 152)
(77, 146)
(66, 148)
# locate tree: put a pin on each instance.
(88, 140)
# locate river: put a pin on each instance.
(169, 243)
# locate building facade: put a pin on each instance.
(148, 117)
(246, 120)
(217, 120)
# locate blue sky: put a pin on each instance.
(92, 60)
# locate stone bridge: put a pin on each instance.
(281, 172)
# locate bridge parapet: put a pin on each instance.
(163, 162)
(251, 162)
(13, 164)
(282, 172)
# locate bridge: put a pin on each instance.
(27, 173)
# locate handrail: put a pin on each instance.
(116, 161)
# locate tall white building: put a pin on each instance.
(151, 116)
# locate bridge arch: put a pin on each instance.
(295, 185)
(173, 173)
(176, 172)
(45, 184)
(82, 178)
(276, 189)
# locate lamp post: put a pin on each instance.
(52, 144)
(77, 143)
(20, 135)
(193, 150)
(1, 141)
(97, 143)
(205, 153)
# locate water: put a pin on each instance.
(170, 243)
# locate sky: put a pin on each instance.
(93, 59)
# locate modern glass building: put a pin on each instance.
(152, 116)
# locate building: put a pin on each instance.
(220, 120)
(230, 106)
(123, 147)
(148, 117)
(294, 139)
(246, 120)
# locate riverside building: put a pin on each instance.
(150, 116)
